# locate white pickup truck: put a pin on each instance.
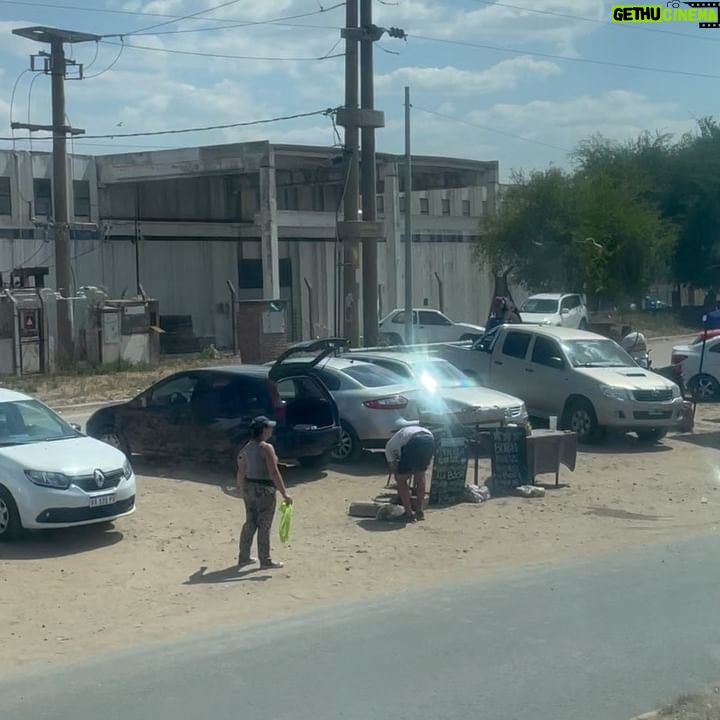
(585, 380)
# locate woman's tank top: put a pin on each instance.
(257, 471)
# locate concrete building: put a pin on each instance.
(260, 216)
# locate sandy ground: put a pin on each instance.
(169, 570)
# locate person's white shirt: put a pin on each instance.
(400, 439)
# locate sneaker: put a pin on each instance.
(271, 565)
(420, 515)
(244, 562)
(408, 517)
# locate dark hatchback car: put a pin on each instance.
(206, 414)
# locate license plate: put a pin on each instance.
(102, 500)
(656, 413)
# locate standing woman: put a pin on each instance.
(258, 480)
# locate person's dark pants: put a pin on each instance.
(416, 456)
(260, 503)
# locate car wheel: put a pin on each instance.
(391, 339)
(583, 325)
(10, 525)
(580, 418)
(651, 436)
(115, 439)
(704, 387)
(348, 450)
(315, 462)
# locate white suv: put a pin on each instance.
(53, 476)
(558, 309)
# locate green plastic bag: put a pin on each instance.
(286, 512)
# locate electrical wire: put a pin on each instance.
(586, 61)
(12, 101)
(283, 20)
(29, 107)
(219, 56)
(227, 126)
(110, 66)
(95, 57)
(599, 21)
(489, 129)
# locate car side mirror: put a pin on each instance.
(565, 311)
(556, 362)
(76, 427)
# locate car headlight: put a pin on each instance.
(676, 391)
(615, 393)
(127, 470)
(48, 479)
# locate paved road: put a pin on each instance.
(661, 349)
(602, 640)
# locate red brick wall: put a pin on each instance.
(254, 345)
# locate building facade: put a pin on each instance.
(184, 224)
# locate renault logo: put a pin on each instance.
(99, 478)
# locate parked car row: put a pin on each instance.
(700, 367)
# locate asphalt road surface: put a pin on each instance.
(600, 640)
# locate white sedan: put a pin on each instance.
(429, 326)
(557, 309)
(703, 382)
(53, 476)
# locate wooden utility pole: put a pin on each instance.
(56, 66)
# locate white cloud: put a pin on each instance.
(504, 75)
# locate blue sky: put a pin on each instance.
(513, 102)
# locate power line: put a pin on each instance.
(246, 23)
(587, 61)
(490, 129)
(107, 11)
(189, 16)
(110, 66)
(583, 18)
(198, 53)
(297, 116)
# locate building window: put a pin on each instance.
(42, 192)
(81, 199)
(402, 204)
(445, 206)
(466, 208)
(380, 202)
(484, 208)
(5, 201)
(319, 198)
(288, 198)
(250, 274)
(424, 206)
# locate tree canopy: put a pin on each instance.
(625, 215)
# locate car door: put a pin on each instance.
(507, 371)
(223, 407)
(397, 327)
(159, 421)
(570, 311)
(434, 327)
(546, 378)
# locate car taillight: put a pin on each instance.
(279, 408)
(395, 402)
(676, 359)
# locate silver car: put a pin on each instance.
(373, 403)
(448, 389)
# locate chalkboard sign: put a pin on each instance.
(447, 485)
(509, 460)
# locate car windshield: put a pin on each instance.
(372, 376)
(29, 421)
(439, 373)
(597, 353)
(539, 305)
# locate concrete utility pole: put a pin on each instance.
(408, 226)
(369, 172)
(55, 64)
(349, 230)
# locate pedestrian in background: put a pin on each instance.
(409, 453)
(259, 480)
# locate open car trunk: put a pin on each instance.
(306, 403)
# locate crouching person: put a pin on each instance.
(409, 453)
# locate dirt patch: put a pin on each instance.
(106, 385)
(169, 570)
(689, 707)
